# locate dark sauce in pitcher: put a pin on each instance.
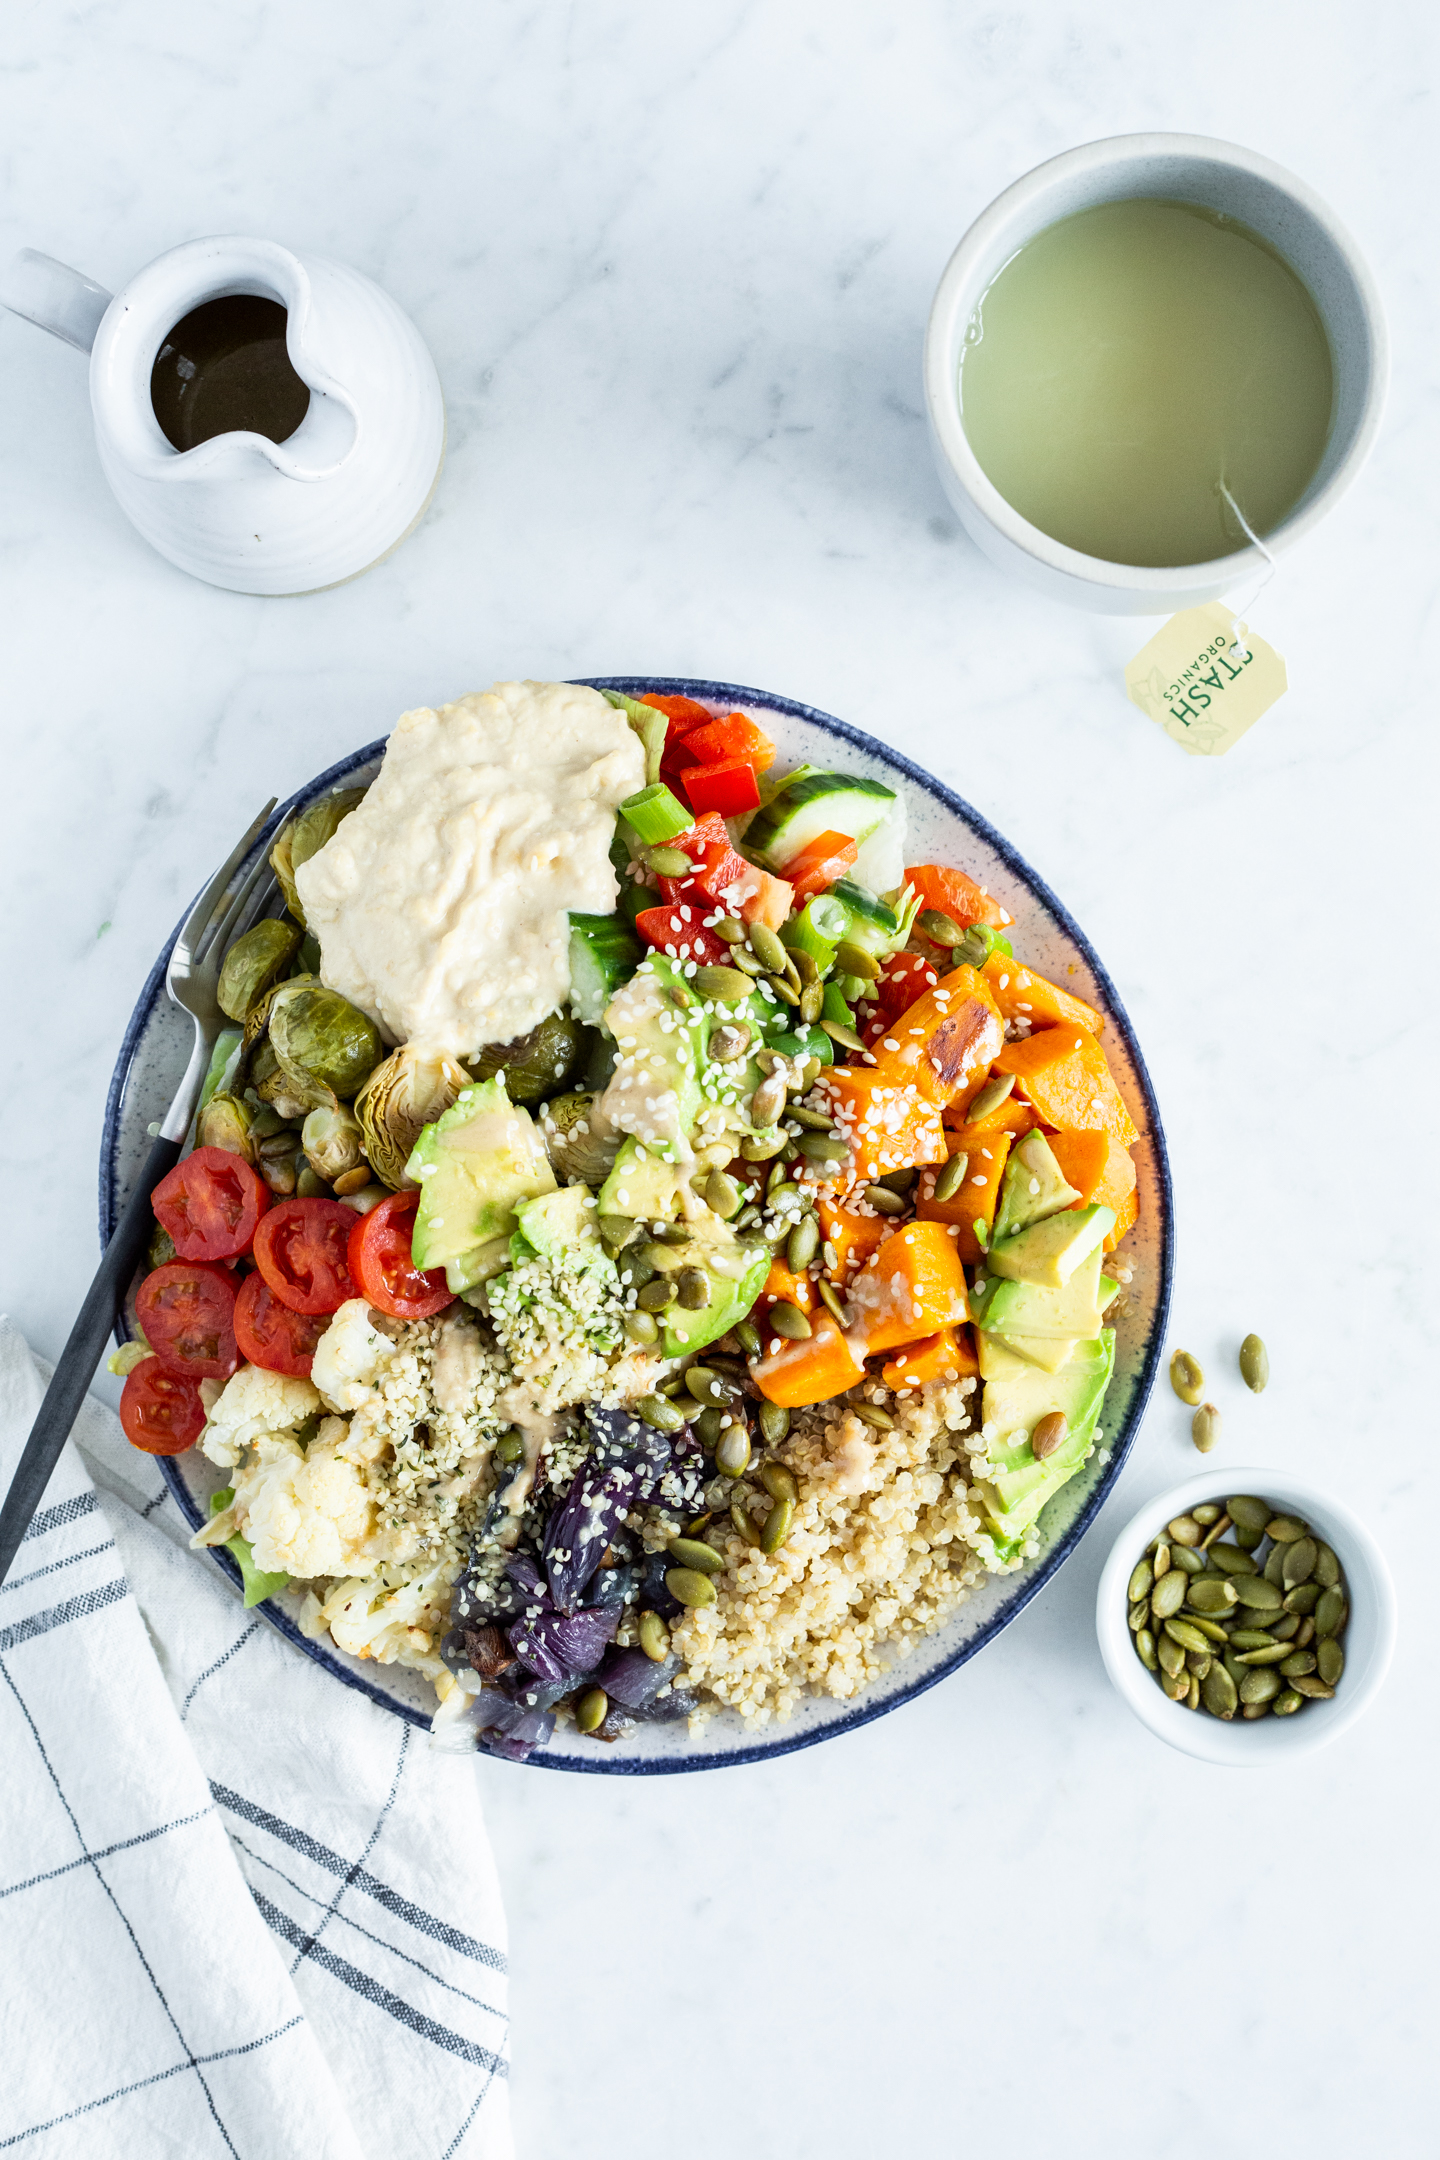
(224, 368)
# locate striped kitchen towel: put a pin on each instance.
(243, 1910)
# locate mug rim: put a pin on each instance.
(953, 304)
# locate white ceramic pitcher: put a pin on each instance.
(239, 510)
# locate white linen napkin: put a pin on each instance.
(243, 1910)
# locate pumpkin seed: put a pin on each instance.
(1049, 1434)
(727, 985)
(1304, 1597)
(1299, 1562)
(774, 1422)
(812, 997)
(870, 1413)
(1232, 1665)
(689, 1587)
(695, 1553)
(661, 1414)
(852, 959)
(1327, 1567)
(732, 1451)
(1251, 1638)
(654, 1637)
(1285, 1529)
(655, 1296)
(1187, 1634)
(1139, 1614)
(1205, 1427)
(884, 1201)
(1330, 1660)
(1207, 1627)
(1299, 1661)
(1330, 1612)
(826, 1147)
(830, 1299)
(777, 1526)
(787, 1320)
(1304, 1635)
(1232, 1560)
(990, 1097)
(768, 1100)
(1260, 1686)
(1310, 1684)
(1255, 1710)
(730, 930)
(1254, 1364)
(1219, 1693)
(510, 1446)
(1169, 1594)
(723, 1194)
(1270, 1656)
(819, 1121)
(1176, 1686)
(1162, 1558)
(1286, 1628)
(1184, 1530)
(1274, 1568)
(1192, 1563)
(1170, 1654)
(1141, 1580)
(746, 960)
(728, 1042)
(768, 949)
(593, 1704)
(802, 1245)
(763, 1148)
(671, 1233)
(1192, 1697)
(669, 861)
(1145, 1645)
(1248, 1512)
(1187, 1377)
(1258, 1594)
(978, 944)
(1211, 1597)
(939, 928)
(640, 1328)
(1287, 1704)
(844, 1036)
(706, 1385)
(707, 1427)
(1207, 1514)
(1198, 1662)
(951, 1178)
(778, 1481)
(802, 968)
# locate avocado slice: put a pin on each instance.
(655, 1021)
(1052, 1352)
(1020, 1487)
(997, 1360)
(560, 1221)
(474, 1167)
(1021, 1308)
(643, 1185)
(1048, 1252)
(1033, 1187)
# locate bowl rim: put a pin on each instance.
(1120, 1445)
(943, 327)
(1210, 1739)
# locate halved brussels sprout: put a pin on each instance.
(536, 1065)
(304, 836)
(225, 1122)
(324, 1046)
(253, 962)
(331, 1140)
(400, 1098)
(574, 1150)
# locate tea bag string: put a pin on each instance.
(1241, 648)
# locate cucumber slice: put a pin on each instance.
(869, 923)
(604, 953)
(881, 860)
(808, 806)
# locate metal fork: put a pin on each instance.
(192, 980)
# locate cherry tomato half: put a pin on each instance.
(300, 1251)
(210, 1204)
(381, 1264)
(186, 1310)
(272, 1334)
(161, 1412)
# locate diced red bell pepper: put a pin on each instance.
(902, 980)
(828, 857)
(677, 929)
(729, 787)
(734, 736)
(717, 866)
(956, 895)
(683, 713)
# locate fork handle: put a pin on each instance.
(82, 1353)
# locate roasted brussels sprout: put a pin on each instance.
(324, 1046)
(536, 1065)
(253, 962)
(400, 1098)
(574, 1150)
(331, 1140)
(304, 836)
(226, 1122)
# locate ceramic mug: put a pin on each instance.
(1175, 168)
(239, 510)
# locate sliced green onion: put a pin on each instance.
(656, 815)
(817, 930)
(835, 1008)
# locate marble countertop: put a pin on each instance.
(674, 267)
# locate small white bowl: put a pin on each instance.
(1369, 1635)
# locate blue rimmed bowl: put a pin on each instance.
(944, 829)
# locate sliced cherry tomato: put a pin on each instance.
(678, 930)
(956, 895)
(827, 857)
(300, 1251)
(160, 1411)
(381, 1264)
(272, 1334)
(186, 1310)
(210, 1204)
(729, 787)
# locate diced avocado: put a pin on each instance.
(1033, 1187)
(655, 1020)
(997, 1360)
(737, 1268)
(474, 1167)
(477, 1265)
(642, 1184)
(1021, 1487)
(1017, 1308)
(1049, 1251)
(1050, 1351)
(560, 1221)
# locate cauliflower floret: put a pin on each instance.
(306, 1514)
(400, 1626)
(251, 1405)
(351, 1357)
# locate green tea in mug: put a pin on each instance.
(1134, 361)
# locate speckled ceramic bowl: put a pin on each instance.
(942, 829)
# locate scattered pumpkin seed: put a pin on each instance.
(826, 1147)
(870, 1413)
(732, 1451)
(939, 928)
(729, 1041)
(593, 1704)
(654, 1637)
(727, 985)
(777, 1526)
(802, 1245)
(768, 949)
(884, 1201)
(640, 1328)
(746, 960)
(510, 1446)
(1205, 1427)
(774, 1422)
(655, 1296)
(692, 1287)
(1186, 1377)
(949, 1180)
(1254, 1364)
(990, 1097)
(690, 1587)
(852, 959)
(831, 1300)
(787, 1320)
(661, 1414)
(778, 1481)
(695, 1553)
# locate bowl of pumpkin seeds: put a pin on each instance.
(1245, 1615)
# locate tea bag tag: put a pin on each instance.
(1205, 679)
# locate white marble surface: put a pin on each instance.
(674, 266)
